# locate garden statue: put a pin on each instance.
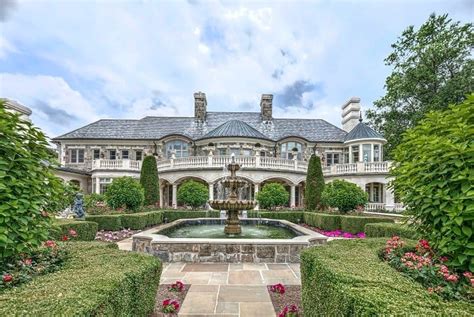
(78, 206)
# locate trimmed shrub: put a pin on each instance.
(149, 180)
(314, 183)
(272, 195)
(389, 230)
(86, 230)
(356, 224)
(343, 195)
(192, 193)
(125, 192)
(433, 178)
(97, 279)
(134, 221)
(347, 278)
(106, 222)
(172, 215)
(323, 221)
(154, 218)
(292, 216)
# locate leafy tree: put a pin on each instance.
(64, 197)
(314, 183)
(27, 186)
(149, 180)
(343, 195)
(125, 192)
(432, 67)
(272, 195)
(434, 178)
(192, 193)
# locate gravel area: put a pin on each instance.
(114, 236)
(164, 293)
(292, 296)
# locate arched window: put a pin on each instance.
(288, 148)
(179, 147)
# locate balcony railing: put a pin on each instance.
(374, 207)
(116, 165)
(357, 168)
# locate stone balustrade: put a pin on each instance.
(103, 164)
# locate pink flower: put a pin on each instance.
(27, 262)
(451, 278)
(73, 232)
(444, 259)
(278, 288)
(50, 244)
(7, 278)
(467, 275)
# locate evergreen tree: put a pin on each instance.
(149, 180)
(314, 183)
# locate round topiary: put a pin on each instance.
(343, 195)
(149, 180)
(314, 183)
(272, 195)
(193, 194)
(125, 192)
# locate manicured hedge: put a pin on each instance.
(172, 215)
(390, 230)
(323, 221)
(356, 224)
(347, 278)
(136, 221)
(293, 216)
(86, 230)
(97, 279)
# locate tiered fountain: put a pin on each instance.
(232, 204)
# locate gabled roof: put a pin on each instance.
(234, 128)
(155, 128)
(362, 131)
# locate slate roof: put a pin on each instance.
(234, 128)
(155, 128)
(362, 131)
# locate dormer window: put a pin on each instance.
(179, 147)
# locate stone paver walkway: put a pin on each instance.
(222, 289)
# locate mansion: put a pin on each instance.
(269, 150)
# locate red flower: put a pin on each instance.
(166, 302)
(467, 275)
(178, 286)
(73, 232)
(64, 238)
(50, 244)
(278, 288)
(170, 305)
(7, 278)
(444, 259)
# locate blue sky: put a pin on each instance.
(73, 62)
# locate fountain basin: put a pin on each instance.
(231, 249)
(229, 204)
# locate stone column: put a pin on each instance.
(389, 198)
(292, 196)
(175, 202)
(97, 185)
(211, 191)
(256, 188)
(161, 195)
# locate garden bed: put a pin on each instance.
(292, 296)
(164, 293)
(114, 236)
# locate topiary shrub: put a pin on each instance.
(193, 194)
(27, 186)
(356, 224)
(85, 230)
(272, 195)
(172, 215)
(323, 221)
(134, 221)
(292, 216)
(125, 192)
(314, 184)
(434, 179)
(375, 230)
(149, 180)
(343, 195)
(106, 222)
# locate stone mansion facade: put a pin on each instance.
(269, 150)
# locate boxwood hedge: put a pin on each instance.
(135, 221)
(293, 216)
(86, 230)
(390, 230)
(172, 215)
(355, 224)
(323, 221)
(97, 279)
(347, 278)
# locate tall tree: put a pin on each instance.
(314, 183)
(149, 180)
(432, 68)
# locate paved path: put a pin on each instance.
(229, 289)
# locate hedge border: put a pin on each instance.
(86, 230)
(375, 230)
(136, 221)
(356, 224)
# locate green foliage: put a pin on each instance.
(106, 222)
(116, 222)
(356, 224)
(134, 221)
(343, 195)
(96, 280)
(172, 215)
(314, 184)
(125, 192)
(434, 178)
(292, 216)
(86, 230)
(27, 186)
(347, 278)
(91, 200)
(432, 68)
(149, 180)
(375, 230)
(63, 197)
(192, 193)
(323, 221)
(272, 195)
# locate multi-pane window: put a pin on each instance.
(77, 156)
(112, 154)
(103, 184)
(288, 148)
(376, 153)
(222, 152)
(367, 152)
(332, 158)
(355, 153)
(345, 153)
(374, 191)
(263, 153)
(138, 155)
(180, 148)
(96, 154)
(125, 154)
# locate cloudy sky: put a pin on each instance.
(73, 62)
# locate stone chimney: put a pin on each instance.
(350, 113)
(200, 106)
(266, 107)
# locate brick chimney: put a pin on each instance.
(200, 106)
(350, 113)
(266, 107)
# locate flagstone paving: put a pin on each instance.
(229, 290)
